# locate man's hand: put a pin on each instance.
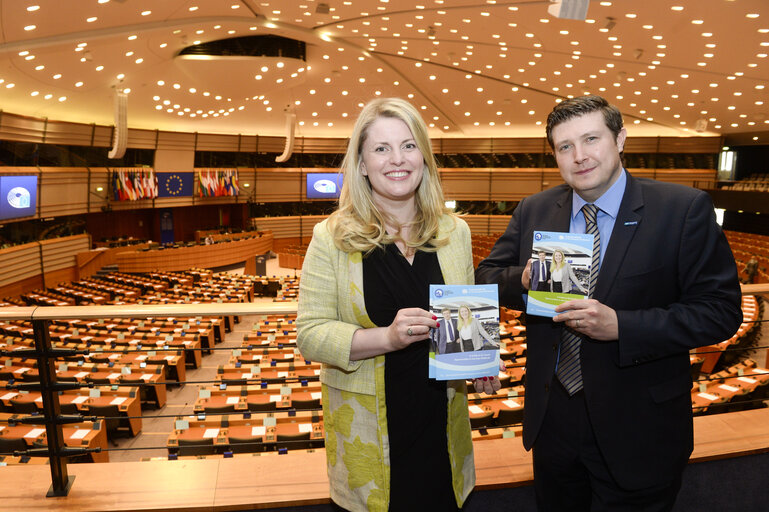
(590, 318)
(526, 275)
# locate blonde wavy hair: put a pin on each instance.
(358, 225)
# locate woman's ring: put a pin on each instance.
(410, 332)
(577, 322)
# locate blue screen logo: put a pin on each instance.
(18, 196)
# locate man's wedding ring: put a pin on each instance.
(410, 332)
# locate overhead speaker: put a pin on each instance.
(120, 135)
(290, 126)
(568, 9)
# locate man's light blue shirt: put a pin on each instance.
(608, 207)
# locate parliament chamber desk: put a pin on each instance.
(127, 402)
(80, 435)
(205, 256)
(297, 479)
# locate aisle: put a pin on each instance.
(181, 399)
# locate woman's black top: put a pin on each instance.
(420, 471)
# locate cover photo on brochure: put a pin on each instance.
(560, 270)
(465, 345)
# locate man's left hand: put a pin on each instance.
(590, 318)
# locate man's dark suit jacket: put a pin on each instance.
(535, 274)
(669, 274)
(439, 335)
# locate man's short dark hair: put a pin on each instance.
(579, 106)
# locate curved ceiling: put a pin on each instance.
(476, 68)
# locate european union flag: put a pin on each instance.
(175, 184)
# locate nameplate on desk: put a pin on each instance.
(169, 337)
(120, 336)
(182, 425)
(269, 421)
(703, 387)
(236, 353)
(34, 433)
(80, 433)
(75, 332)
(63, 367)
(204, 393)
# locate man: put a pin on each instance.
(540, 274)
(666, 282)
(446, 333)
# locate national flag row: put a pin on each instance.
(135, 184)
(218, 182)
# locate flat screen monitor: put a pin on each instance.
(18, 196)
(324, 185)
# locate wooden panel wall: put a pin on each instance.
(73, 190)
(34, 265)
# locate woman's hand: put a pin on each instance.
(410, 325)
(489, 385)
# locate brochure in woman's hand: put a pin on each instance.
(465, 345)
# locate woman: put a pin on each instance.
(471, 331)
(395, 439)
(562, 278)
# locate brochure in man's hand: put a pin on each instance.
(465, 345)
(560, 270)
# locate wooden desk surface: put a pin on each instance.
(242, 482)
